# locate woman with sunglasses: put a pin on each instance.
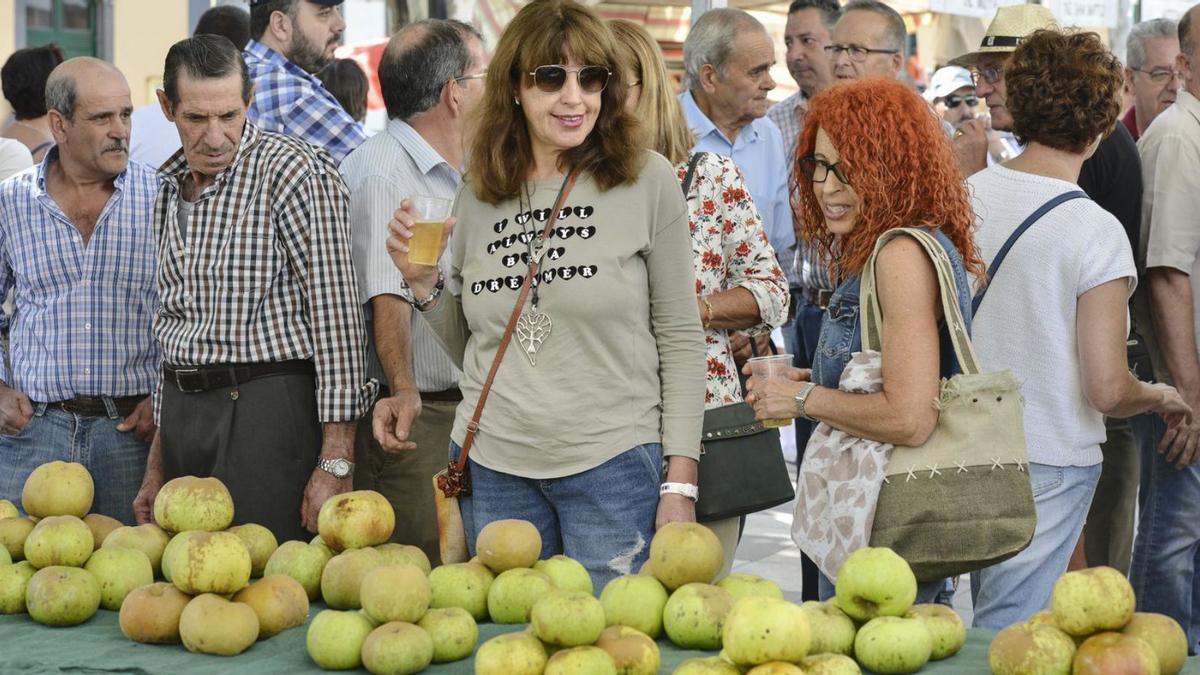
(854, 183)
(605, 373)
(739, 284)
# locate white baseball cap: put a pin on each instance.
(946, 81)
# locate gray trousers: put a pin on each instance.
(406, 478)
(1108, 533)
(261, 438)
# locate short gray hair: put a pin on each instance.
(414, 68)
(1135, 48)
(897, 31)
(711, 42)
(61, 95)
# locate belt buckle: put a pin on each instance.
(186, 371)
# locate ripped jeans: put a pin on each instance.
(602, 517)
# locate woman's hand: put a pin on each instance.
(775, 398)
(420, 278)
(673, 508)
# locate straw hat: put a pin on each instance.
(1010, 27)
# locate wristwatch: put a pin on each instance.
(339, 467)
(802, 397)
(688, 490)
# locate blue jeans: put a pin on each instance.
(1166, 554)
(1015, 589)
(116, 460)
(602, 517)
(806, 333)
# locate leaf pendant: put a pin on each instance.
(533, 327)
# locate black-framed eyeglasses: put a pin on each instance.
(552, 78)
(990, 75)
(817, 170)
(1160, 75)
(952, 101)
(857, 53)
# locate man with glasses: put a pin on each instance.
(291, 41)
(727, 59)
(1151, 76)
(1165, 571)
(868, 41)
(431, 75)
(951, 92)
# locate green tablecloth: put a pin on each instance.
(97, 646)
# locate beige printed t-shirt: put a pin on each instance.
(624, 364)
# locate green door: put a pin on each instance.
(70, 23)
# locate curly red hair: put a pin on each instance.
(900, 164)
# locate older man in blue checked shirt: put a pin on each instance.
(77, 247)
(291, 41)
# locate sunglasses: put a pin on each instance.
(953, 101)
(817, 170)
(592, 79)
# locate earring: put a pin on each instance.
(516, 100)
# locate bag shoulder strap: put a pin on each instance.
(473, 425)
(1012, 239)
(871, 319)
(691, 172)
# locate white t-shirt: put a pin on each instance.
(153, 139)
(14, 157)
(1026, 322)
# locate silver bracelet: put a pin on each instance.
(436, 293)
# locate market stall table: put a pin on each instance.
(97, 646)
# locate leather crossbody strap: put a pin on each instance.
(473, 426)
(691, 172)
(1012, 239)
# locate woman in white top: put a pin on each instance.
(1055, 311)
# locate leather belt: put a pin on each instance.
(452, 395)
(194, 379)
(93, 406)
(817, 296)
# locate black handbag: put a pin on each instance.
(741, 462)
(741, 465)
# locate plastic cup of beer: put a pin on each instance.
(430, 214)
(768, 367)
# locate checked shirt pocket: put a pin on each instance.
(250, 263)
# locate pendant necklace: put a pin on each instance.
(534, 326)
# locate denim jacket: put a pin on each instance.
(841, 334)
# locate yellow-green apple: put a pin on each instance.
(567, 618)
(508, 544)
(636, 601)
(1165, 637)
(891, 644)
(1024, 648)
(191, 503)
(453, 631)
(150, 614)
(684, 553)
(335, 639)
(874, 581)
(832, 629)
(945, 627)
(1092, 600)
(62, 596)
(694, 615)
(58, 489)
(119, 571)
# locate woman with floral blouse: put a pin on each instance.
(739, 285)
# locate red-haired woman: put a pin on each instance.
(872, 157)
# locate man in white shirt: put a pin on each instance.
(1165, 573)
(431, 75)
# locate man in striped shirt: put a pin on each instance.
(77, 249)
(431, 76)
(262, 335)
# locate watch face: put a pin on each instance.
(340, 468)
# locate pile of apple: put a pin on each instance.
(74, 564)
(1091, 628)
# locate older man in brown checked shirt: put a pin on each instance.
(263, 341)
